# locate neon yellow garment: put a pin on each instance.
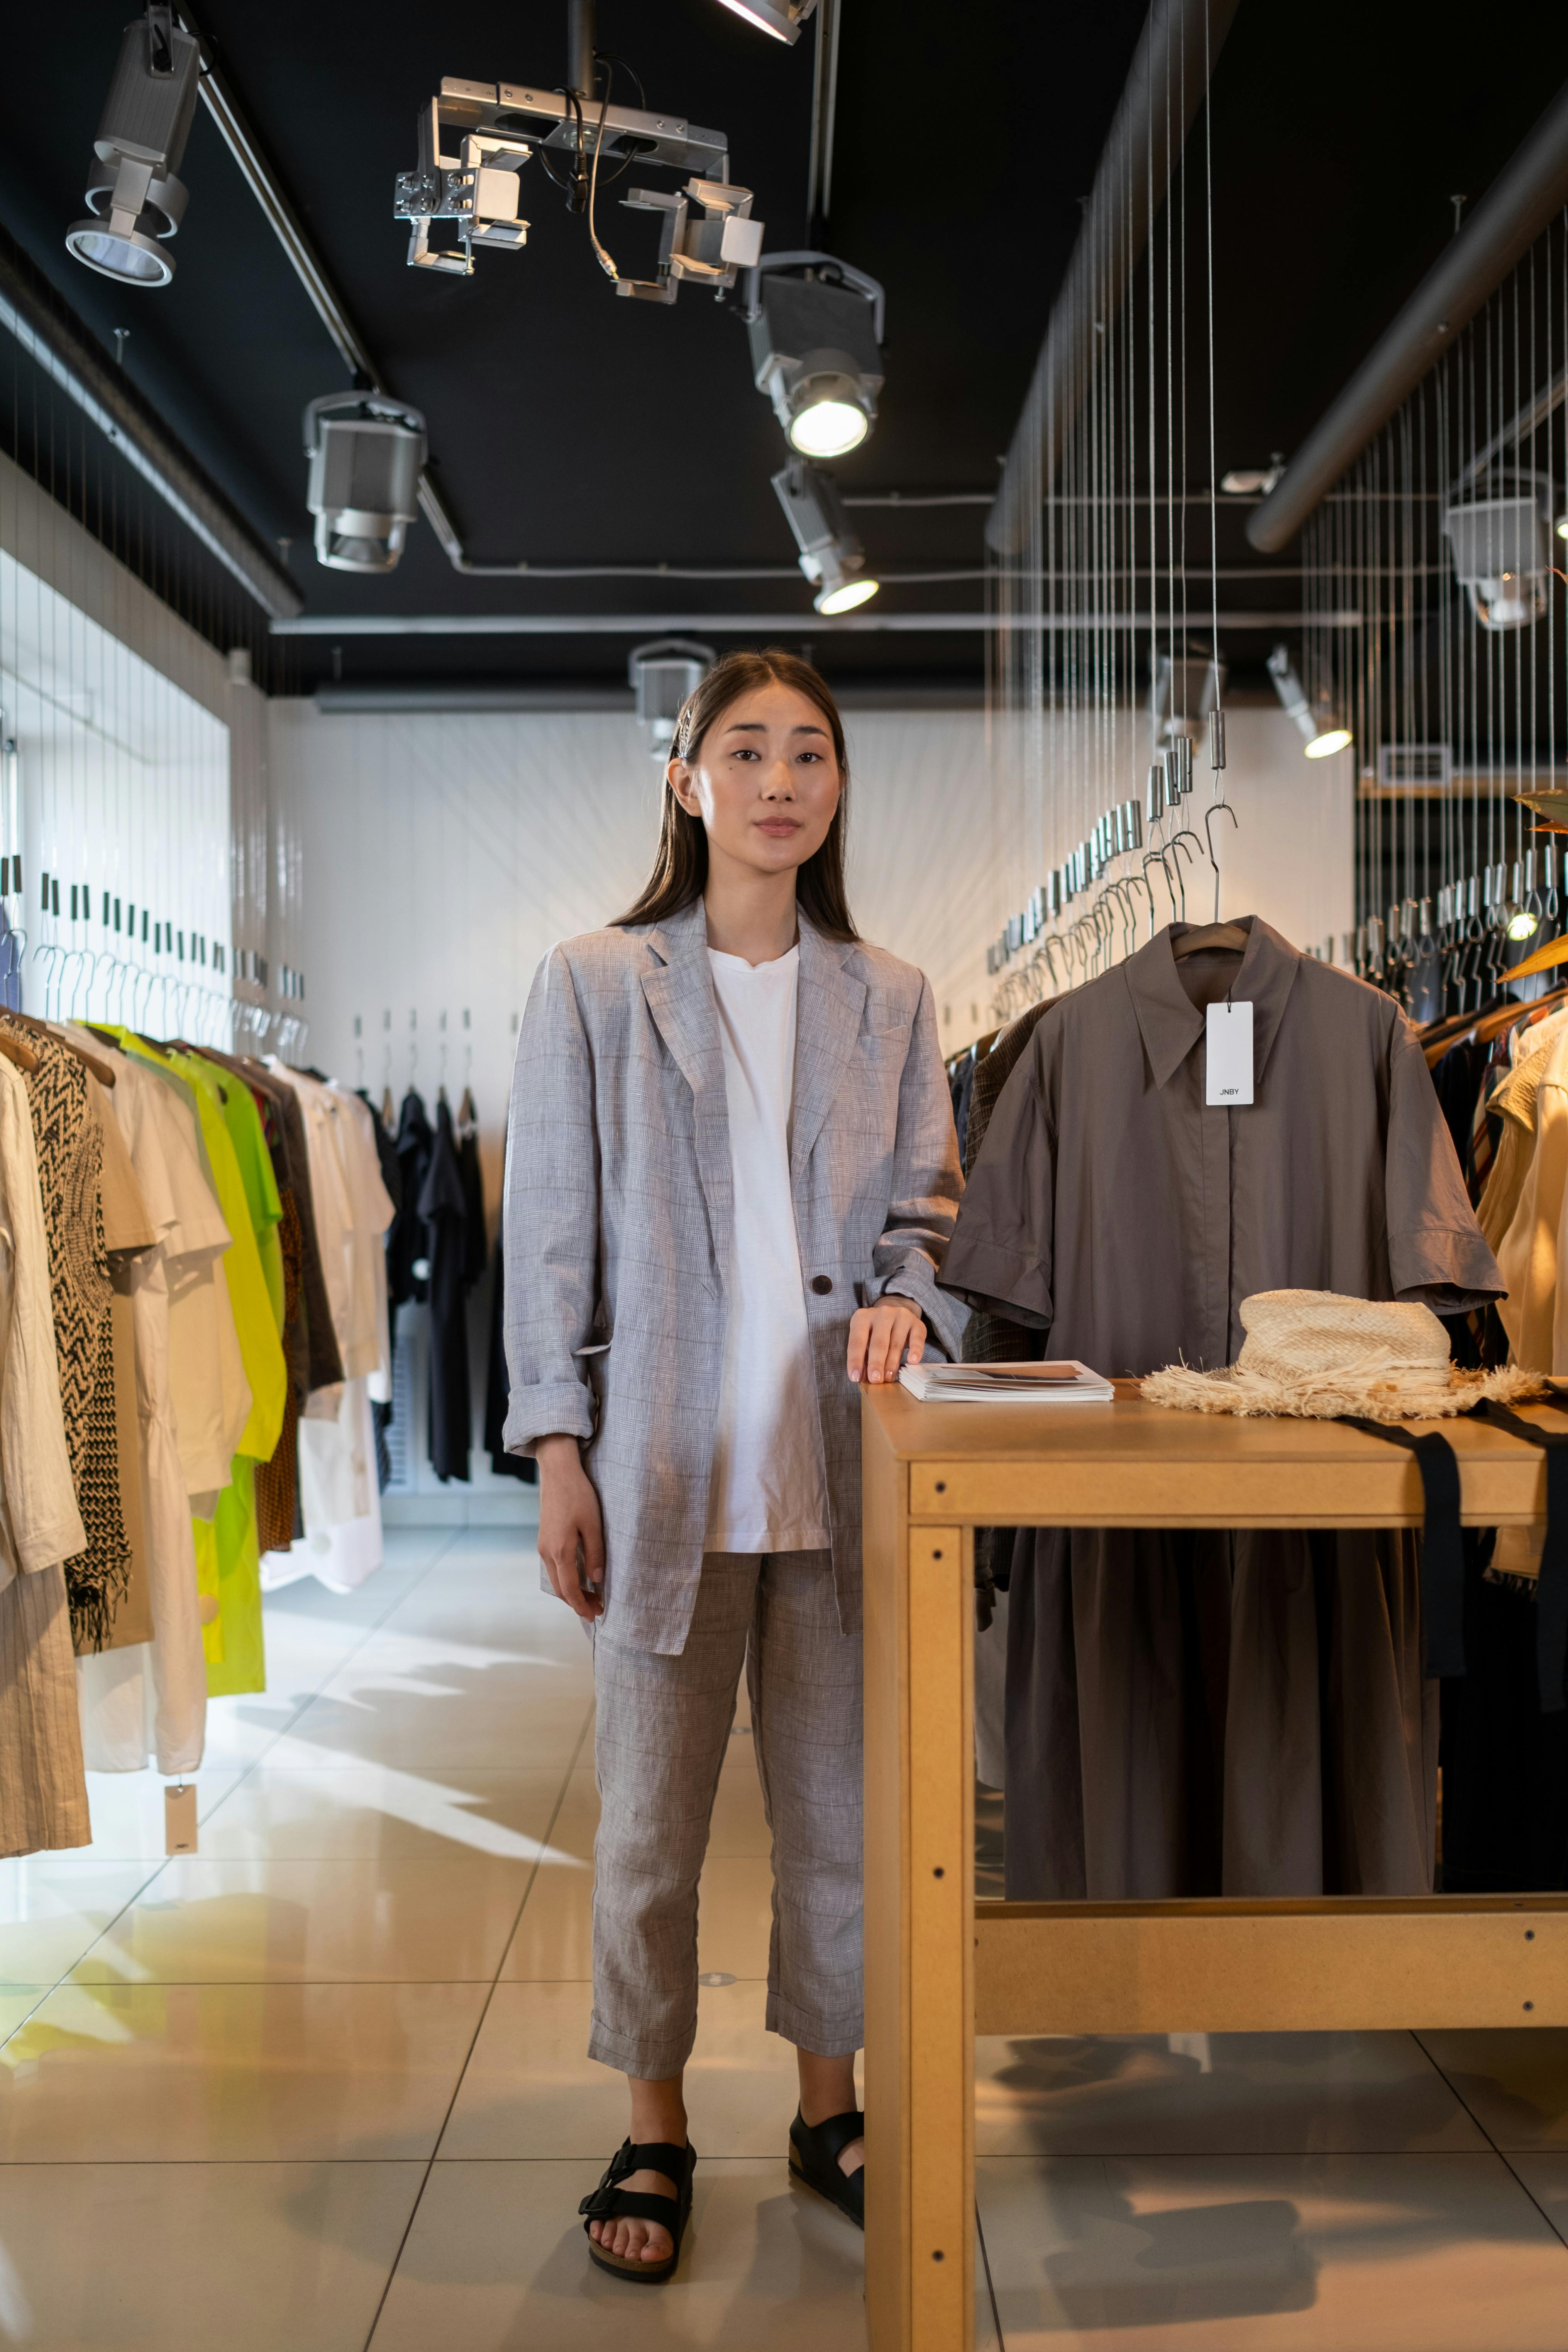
(249, 1137)
(226, 1548)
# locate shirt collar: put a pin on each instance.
(1171, 1023)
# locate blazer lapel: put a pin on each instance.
(829, 1008)
(679, 995)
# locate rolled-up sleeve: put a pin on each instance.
(999, 1260)
(927, 1184)
(1437, 1254)
(552, 1217)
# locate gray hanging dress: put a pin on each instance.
(1236, 1712)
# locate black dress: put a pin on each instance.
(442, 1212)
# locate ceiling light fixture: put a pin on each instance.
(1524, 925)
(366, 454)
(1502, 554)
(134, 199)
(1253, 481)
(783, 19)
(664, 675)
(815, 342)
(1183, 693)
(1322, 733)
(830, 554)
(475, 137)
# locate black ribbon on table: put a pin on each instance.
(1442, 1551)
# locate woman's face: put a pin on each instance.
(765, 780)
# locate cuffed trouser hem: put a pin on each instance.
(649, 2062)
(838, 2037)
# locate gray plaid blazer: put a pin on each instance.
(619, 1224)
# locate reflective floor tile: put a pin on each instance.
(217, 1921)
(373, 1809)
(16, 2002)
(1220, 2093)
(182, 2072)
(1358, 2253)
(453, 1714)
(189, 2257)
(127, 1810)
(53, 1907)
(1546, 2178)
(1514, 2082)
(497, 2261)
(531, 2089)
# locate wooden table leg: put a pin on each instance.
(919, 1926)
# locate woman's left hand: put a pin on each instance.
(881, 1336)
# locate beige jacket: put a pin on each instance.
(619, 1220)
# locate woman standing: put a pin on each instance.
(731, 1176)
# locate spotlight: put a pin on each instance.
(817, 351)
(1524, 925)
(132, 195)
(830, 554)
(782, 18)
(663, 674)
(1322, 734)
(1503, 555)
(365, 475)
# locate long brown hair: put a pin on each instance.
(681, 867)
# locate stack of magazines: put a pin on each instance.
(1066, 1383)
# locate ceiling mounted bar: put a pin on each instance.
(55, 339)
(282, 218)
(1500, 230)
(793, 625)
(1164, 90)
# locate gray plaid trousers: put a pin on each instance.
(663, 1729)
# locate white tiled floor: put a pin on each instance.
(321, 2087)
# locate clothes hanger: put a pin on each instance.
(1227, 936)
(16, 1049)
(101, 1069)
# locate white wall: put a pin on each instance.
(443, 853)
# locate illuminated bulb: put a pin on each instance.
(1562, 528)
(1524, 925)
(1324, 746)
(845, 597)
(829, 428)
(755, 16)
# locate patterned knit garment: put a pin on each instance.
(70, 1158)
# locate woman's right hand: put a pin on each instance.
(571, 1528)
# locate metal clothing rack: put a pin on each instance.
(941, 1967)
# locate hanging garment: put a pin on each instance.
(415, 1141)
(324, 1367)
(1242, 1712)
(226, 1549)
(474, 1237)
(442, 1212)
(498, 1385)
(127, 1234)
(1531, 1254)
(69, 1142)
(43, 1795)
(340, 1543)
(153, 1698)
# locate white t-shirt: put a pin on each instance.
(768, 1492)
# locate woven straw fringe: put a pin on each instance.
(1404, 1392)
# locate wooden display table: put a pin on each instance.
(940, 1967)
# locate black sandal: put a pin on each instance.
(610, 2202)
(814, 2153)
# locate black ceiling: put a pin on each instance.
(567, 426)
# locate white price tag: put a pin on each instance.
(1229, 1055)
(180, 1817)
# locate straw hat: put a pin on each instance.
(1312, 1353)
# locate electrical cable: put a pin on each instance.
(606, 264)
